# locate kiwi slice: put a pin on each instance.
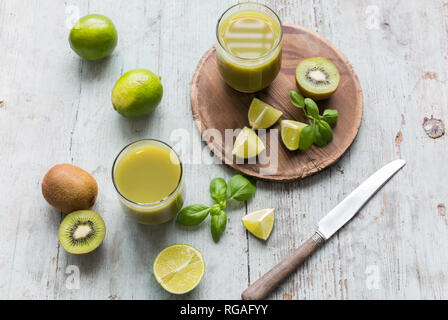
(81, 232)
(317, 78)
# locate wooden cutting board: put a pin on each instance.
(218, 107)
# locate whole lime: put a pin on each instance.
(137, 93)
(93, 37)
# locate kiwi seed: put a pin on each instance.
(82, 232)
(318, 76)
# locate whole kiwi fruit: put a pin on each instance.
(69, 188)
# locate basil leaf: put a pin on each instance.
(193, 215)
(307, 137)
(319, 140)
(324, 134)
(325, 130)
(218, 189)
(240, 188)
(218, 225)
(312, 108)
(297, 99)
(330, 116)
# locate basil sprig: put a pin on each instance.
(238, 188)
(319, 130)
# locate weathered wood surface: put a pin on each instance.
(56, 108)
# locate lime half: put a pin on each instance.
(261, 115)
(247, 144)
(290, 132)
(260, 223)
(179, 268)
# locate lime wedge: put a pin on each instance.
(261, 115)
(260, 223)
(290, 132)
(247, 144)
(179, 268)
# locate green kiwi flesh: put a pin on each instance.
(81, 232)
(317, 78)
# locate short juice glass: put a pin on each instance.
(148, 177)
(249, 48)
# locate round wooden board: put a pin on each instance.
(218, 107)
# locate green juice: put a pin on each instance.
(148, 178)
(249, 48)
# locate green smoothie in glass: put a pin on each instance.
(249, 46)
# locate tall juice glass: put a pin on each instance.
(249, 46)
(148, 177)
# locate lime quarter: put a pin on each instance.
(179, 268)
(290, 132)
(262, 115)
(137, 93)
(93, 37)
(260, 223)
(247, 144)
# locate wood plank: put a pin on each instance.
(128, 254)
(399, 233)
(37, 118)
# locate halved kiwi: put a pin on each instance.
(317, 78)
(81, 232)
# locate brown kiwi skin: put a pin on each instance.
(69, 188)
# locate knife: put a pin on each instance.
(327, 227)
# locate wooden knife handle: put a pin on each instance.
(263, 286)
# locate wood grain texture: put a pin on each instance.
(217, 107)
(56, 108)
(394, 248)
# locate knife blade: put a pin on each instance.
(351, 205)
(327, 227)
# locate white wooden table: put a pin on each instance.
(56, 108)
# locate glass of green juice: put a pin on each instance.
(249, 46)
(148, 177)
